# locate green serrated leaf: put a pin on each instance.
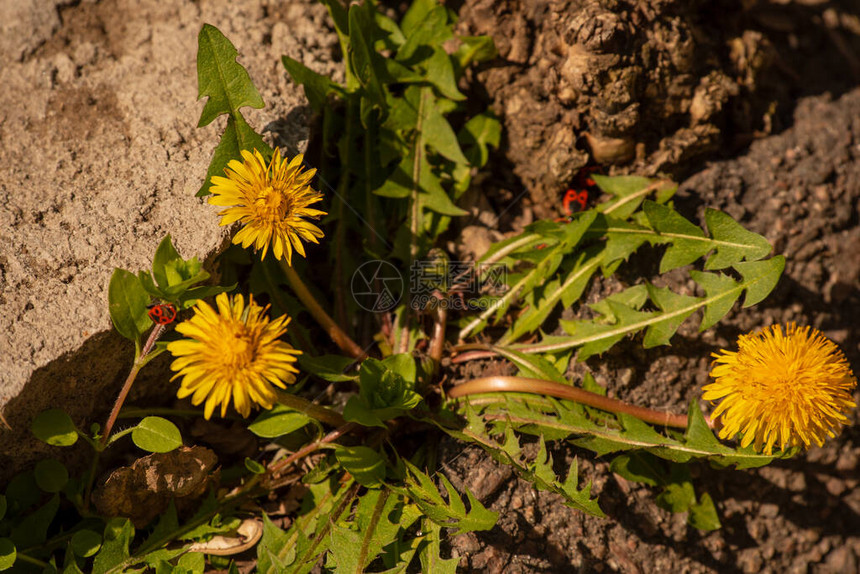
(684, 238)
(237, 136)
(479, 134)
(736, 243)
(596, 338)
(114, 551)
(676, 308)
(221, 78)
(715, 285)
(431, 552)
(453, 514)
(703, 515)
(634, 297)
(156, 434)
(475, 49)
(317, 87)
(429, 31)
(629, 191)
(441, 75)
(275, 553)
(759, 278)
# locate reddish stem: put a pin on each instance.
(503, 384)
(132, 375)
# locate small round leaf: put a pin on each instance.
(86, 543)
(51, 475)
(55, 427)
(278, 421)
(155, 434)
(8, 554)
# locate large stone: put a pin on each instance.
(101, 158)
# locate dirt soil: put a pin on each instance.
(754, 104)
(799, 188)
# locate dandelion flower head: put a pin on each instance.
(233, 353)
(271, 201)
(789, 388)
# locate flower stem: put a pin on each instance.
(311, 447)
(132, 375)
(541, 387)
(437, 342)
(313, 410)
(340, 338)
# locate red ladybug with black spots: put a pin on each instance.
(162, 314)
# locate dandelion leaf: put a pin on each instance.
(431, 551)
(759, 278)
(237, 136)
(676, 308)
(629, 192)
(423, 28)
(317, 87)
(736, 243)
(479, 134)
(366, 63)
(274, 552)
(539, 471)
(475, 49)
(451, 514)
(721, 292)
(703, 514)
(595, 338)
(684, 238)
(115, 546)
(221, 78)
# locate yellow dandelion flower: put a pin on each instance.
(271, 201)
(232, 353)
(783, 389)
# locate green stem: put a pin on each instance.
(31, 560)
(502, 384)
(91, 479)
(340, 338)
(343, 186)
(313, 410)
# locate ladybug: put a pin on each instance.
(584, 187)
(162, 314)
